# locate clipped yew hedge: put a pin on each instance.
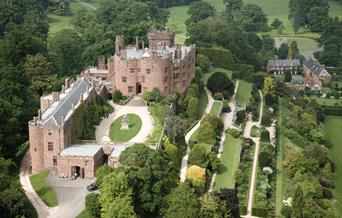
(219, 57)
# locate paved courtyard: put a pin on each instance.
(134, 107)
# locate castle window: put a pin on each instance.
(183, 82)
(166, 70)
(138, 70)
(130, 88)
(87, 162)
(148, 71)
(165, 89)
(54, 161)
(124, 79)
(176, 68)
(49, 131)
(50, 146)
(132, 70)
(165, 79)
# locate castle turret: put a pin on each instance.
(119, 44)
(101, 63)
(165, 38)
(36, 145)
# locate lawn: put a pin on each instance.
(256, 132)
(157, 112)
(215, 109)
(243, 93)
(45, 192)
(118, 135)
(58, 23)
(333, 128)
(230, 159)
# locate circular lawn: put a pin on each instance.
(118, 135)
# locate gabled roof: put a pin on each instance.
(52, 116)
(117, 150)
(284, 63)
(316, 68)
(312, 82)
(81, 150)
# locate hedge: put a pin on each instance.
(336, 111)
(246, 72)
(296, 138)
(259, 212)
(220, 57)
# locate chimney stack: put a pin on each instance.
(66, 83)
(63, 89)
(55, 96)
(39, 114)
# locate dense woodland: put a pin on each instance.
(33, 63)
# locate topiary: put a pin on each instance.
(192, 110)
(196, 175)
(219, 82)
(198, 155)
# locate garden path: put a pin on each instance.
(102, 130)
(247, 134)
(88, 5)
(185, 158)
(228, 122)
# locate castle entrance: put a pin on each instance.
(77, 171)
(138, 88)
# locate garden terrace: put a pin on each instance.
(118, 135)
(230, 160)
(243, 94)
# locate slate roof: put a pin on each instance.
(284, 63)
(52, 116)
(81, 150)
(117, 150)
(316, 68)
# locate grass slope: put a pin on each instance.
(118, 135)
(203, 101)
(243, 93)
(333, 128)
(216, 108)
(85, 214)
(230, 159)
(45, 192)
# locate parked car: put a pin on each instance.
(92, 187)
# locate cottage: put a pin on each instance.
(279, 67)
(312, 68)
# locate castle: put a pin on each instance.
(137, 69)
(133, 70)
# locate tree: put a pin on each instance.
(276, 23)
(297, 205)
(232, 7)
(172, 151)
(196, 175)
(192, 111)
(102, 172)
(206, 133)
(269, 86)
(93, 205)
(252, 18)
(151, 176)
(199, 10)
(317, 16)
(198, 156)
(117, 96)
(287, 76)
(219, 82)
(181, 202)
(116, 196)
(39, 71)
(283, 51)
(174, 126)
(212, 207)
(66, 49)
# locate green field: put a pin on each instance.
(333, 128)
(117, 135)
(307, 41)
(63, 22)
(203, 102)
(45, 192)
(243, 93)
(230, 159)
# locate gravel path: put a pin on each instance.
(102, 131)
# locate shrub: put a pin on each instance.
(214, 161)
(206, 133)
(265, 136)
(246, 72)
(93, 205)
(172, 151)
(195, 87)
(265, 159)
(192, 110)
(101, 172)
(218, 96)
(203, 62)
(117, 96)
(190, 93)
(296, 138)
(225, 107)
(240, 117)
(153, 96)
(198, 156)
(219, 82)
(266, 119)
(219, 57)
(216, 122)
(196, 174)
(234, 132)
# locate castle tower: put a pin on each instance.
(101, 63)
(36, 146)
(164, 38)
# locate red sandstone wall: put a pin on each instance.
(36, 147)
